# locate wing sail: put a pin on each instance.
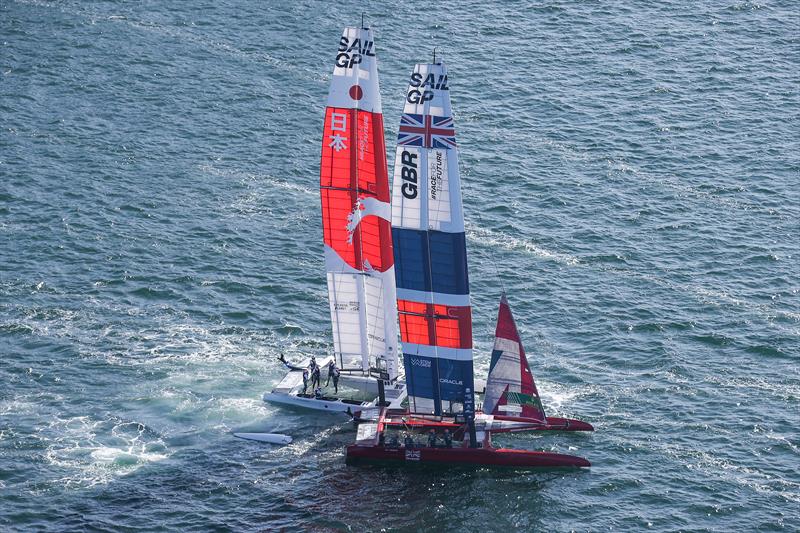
(356, 214)
(430, 250)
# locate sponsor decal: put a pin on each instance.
(363, 136)
(346, 306)
(423, 363)
(469, 404)
(376, 337)
(451, 381)
(353, 52)
(408, 172)
(413, 455)
(436, 174)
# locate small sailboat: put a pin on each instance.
(511, 393)
(433, 300)
(357, 233)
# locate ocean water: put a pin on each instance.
(631, 178)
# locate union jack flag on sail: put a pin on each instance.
(427, 131)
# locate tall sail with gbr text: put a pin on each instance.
(430, 250)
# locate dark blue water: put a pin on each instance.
(631, 177)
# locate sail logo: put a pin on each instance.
(451, 381)
(436, 175)
(423, 88)
(353, 52)
(420, 362)
(409, 175)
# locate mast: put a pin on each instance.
(430, 251)
(354, 189)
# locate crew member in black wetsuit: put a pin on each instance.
(315, 379)
(448, 439)
(305, 380)
(331, 366)
(432, 439)
(336, 379)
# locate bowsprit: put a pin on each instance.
(352, 52)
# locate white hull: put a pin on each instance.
(333, 405)
(363, 383)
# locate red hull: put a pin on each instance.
(553, 424)
(463, 456)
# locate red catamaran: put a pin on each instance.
(433, 303)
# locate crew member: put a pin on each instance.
(305, 380)
(336, 379)
(315, 379)
(331, 366)
(448, 439)
(432, 439)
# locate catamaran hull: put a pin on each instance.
(364, 384)
(554, 423)
(494, 425)
(479, 457)
(333, 405)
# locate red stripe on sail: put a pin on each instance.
(446, 326)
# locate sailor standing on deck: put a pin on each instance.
(335, 378)
(305, 380)
(315, 379)
(432, 439)
(331, 366)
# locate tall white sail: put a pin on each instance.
(354, 187)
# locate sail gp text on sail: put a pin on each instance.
(422, 93)
(352, 53)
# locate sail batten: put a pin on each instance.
(430, 250)
(356, 213)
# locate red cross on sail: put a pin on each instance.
(427, 131)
